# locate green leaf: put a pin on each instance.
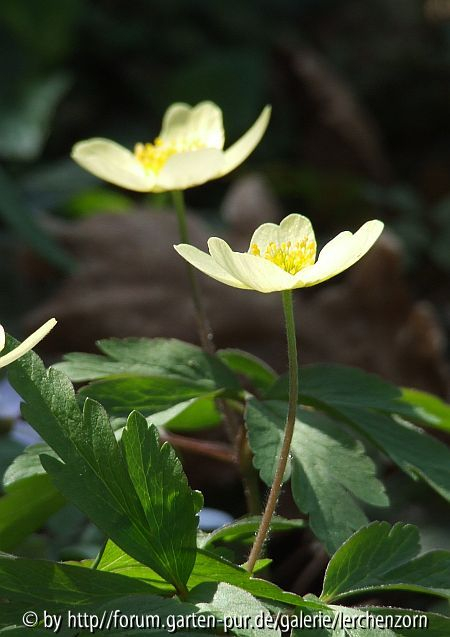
(115, 560)
(165, 495)
(95, 476)
(340, 621)
(341, 386)
(208, 568)
(381, 557)
(245, 528)
(45, 584)
(261, 375)
(26, 465)
(25, 509)
(164, 616)
(9, 449)
(337, 387)
(330, 470)
(429, 410)
(17, 216)
(416, 453)
(235, 610)
(431, 624)
(147, 394)
(366, 402)
(196, 413)
(151, 357)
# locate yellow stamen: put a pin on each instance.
(289, 257)
(154, 156)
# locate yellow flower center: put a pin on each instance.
(154, 156)
(291, 257)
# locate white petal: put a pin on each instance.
(340, 253)
(193, 168)
(114, 163)
(205, 263)
(240, 150)
(254, 272)
(201, 123)
(294, 227)
(2, 338)
(28, 343)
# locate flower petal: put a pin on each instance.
(340, 253)
(114, 163)
(206, 264)
(293, 228)
(201, 123)
(255, 273)
(241, 149)
(28, 343)
(2, 338)
(192, 168)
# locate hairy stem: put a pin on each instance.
(288, 433)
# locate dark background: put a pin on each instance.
(360, 95)
(360, 129)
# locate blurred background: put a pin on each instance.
(360, 129)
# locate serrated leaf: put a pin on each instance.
(166, 498)
(330, 470)
(94, 473)
(366, 402)
(234, 609)
(337, 387)
(381, 557)
(240, 530)
(415, 452)
(151, 357)
(261, 375)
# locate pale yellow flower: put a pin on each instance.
(188, 151)
(282, 257)
(27, 344)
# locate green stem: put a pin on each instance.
(234, 432)
(204, 329)
(288, 433)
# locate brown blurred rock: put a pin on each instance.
(130, 282)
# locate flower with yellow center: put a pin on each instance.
(188, 151)
(27, 344)
(282, 257)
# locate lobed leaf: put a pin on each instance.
(385, 557)
(330, 470)
(98, 474)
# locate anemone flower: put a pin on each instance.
(282, 257)
(188, 151)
